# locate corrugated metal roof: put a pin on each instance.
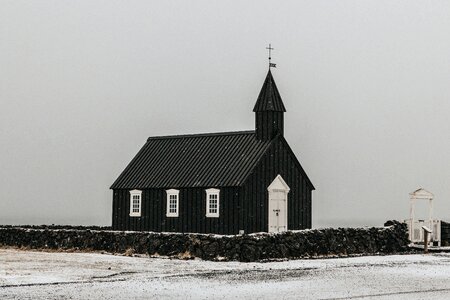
(199, 160)
(269, 98)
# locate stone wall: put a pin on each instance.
(392, 238)
(42, 237)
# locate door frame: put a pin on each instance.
(278, 186)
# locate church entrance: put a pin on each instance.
(278, 200)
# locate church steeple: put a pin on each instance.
(269, 110)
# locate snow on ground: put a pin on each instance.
(59, 275)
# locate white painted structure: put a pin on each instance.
(415, 225)
(278, 205)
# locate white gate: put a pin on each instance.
(415, 225)
(278, 192)
(416, 231)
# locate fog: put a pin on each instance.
(84, 83)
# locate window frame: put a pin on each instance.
(172, 192)
(210, 192)
(132, 194)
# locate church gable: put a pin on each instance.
(295, 161)
(279, 157)
(278, 160)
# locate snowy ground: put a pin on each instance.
(45, 275)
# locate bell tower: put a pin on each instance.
(269, 111)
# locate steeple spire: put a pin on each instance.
(269, 110)
(269, 98)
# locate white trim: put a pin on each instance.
(278, 185)
(211, 193)
(278, 205)
(173, 192)
(138, 194)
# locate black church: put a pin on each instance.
(224, 183)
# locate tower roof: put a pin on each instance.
(269, 98)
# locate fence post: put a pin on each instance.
(426, 231)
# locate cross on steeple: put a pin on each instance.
(270, 56)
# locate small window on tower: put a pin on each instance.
(172, 203)
(212, 203)
(135, 203)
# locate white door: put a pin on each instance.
(277, 211)
(278, 192)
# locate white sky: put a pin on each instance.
(84, 83)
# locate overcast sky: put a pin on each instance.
(366, 86)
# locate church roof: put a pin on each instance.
(269, 98)
(197, 160)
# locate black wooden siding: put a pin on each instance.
(278, 160)
(192, 212)
(268, 124)
(241, 208)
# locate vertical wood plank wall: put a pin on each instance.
(255, 198)
(268, 124)
(192, 212)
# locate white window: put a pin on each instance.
(172, 203)
(212, 203)
(135, 203)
